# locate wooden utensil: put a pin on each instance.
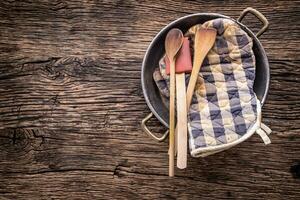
(173, 43)
(183, 65)
(181, 121)
(204, 41)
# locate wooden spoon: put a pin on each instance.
(204, 41)
(173, 43)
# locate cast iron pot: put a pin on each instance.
(156, 50)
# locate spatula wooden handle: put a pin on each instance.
(181, 121)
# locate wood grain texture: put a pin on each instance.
(71, 105)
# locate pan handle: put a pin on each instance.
(146, 130)
(257, 14)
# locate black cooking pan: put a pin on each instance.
(156, 50)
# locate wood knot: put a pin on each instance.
(295, 170)
(17, 141)
(121, 168)
(14, 140)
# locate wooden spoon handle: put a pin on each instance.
(204, 41)
(172, 118)
(193, 78)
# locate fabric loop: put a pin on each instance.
(263, 136)
(265, 128)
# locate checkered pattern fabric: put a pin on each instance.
(224, 105)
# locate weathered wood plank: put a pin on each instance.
(71, 105)
(35, 29)
(80, 93)
(64, 159)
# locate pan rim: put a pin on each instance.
(171, 24)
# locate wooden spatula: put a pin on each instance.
(183, 65)
(204, 41)
(173, 43)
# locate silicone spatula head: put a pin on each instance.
(173, 43)
(183, 60)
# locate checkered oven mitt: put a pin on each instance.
(224, 110)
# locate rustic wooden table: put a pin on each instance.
(71, 105)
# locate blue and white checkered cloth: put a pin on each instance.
(224, 106)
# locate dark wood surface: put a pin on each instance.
(71, 105)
